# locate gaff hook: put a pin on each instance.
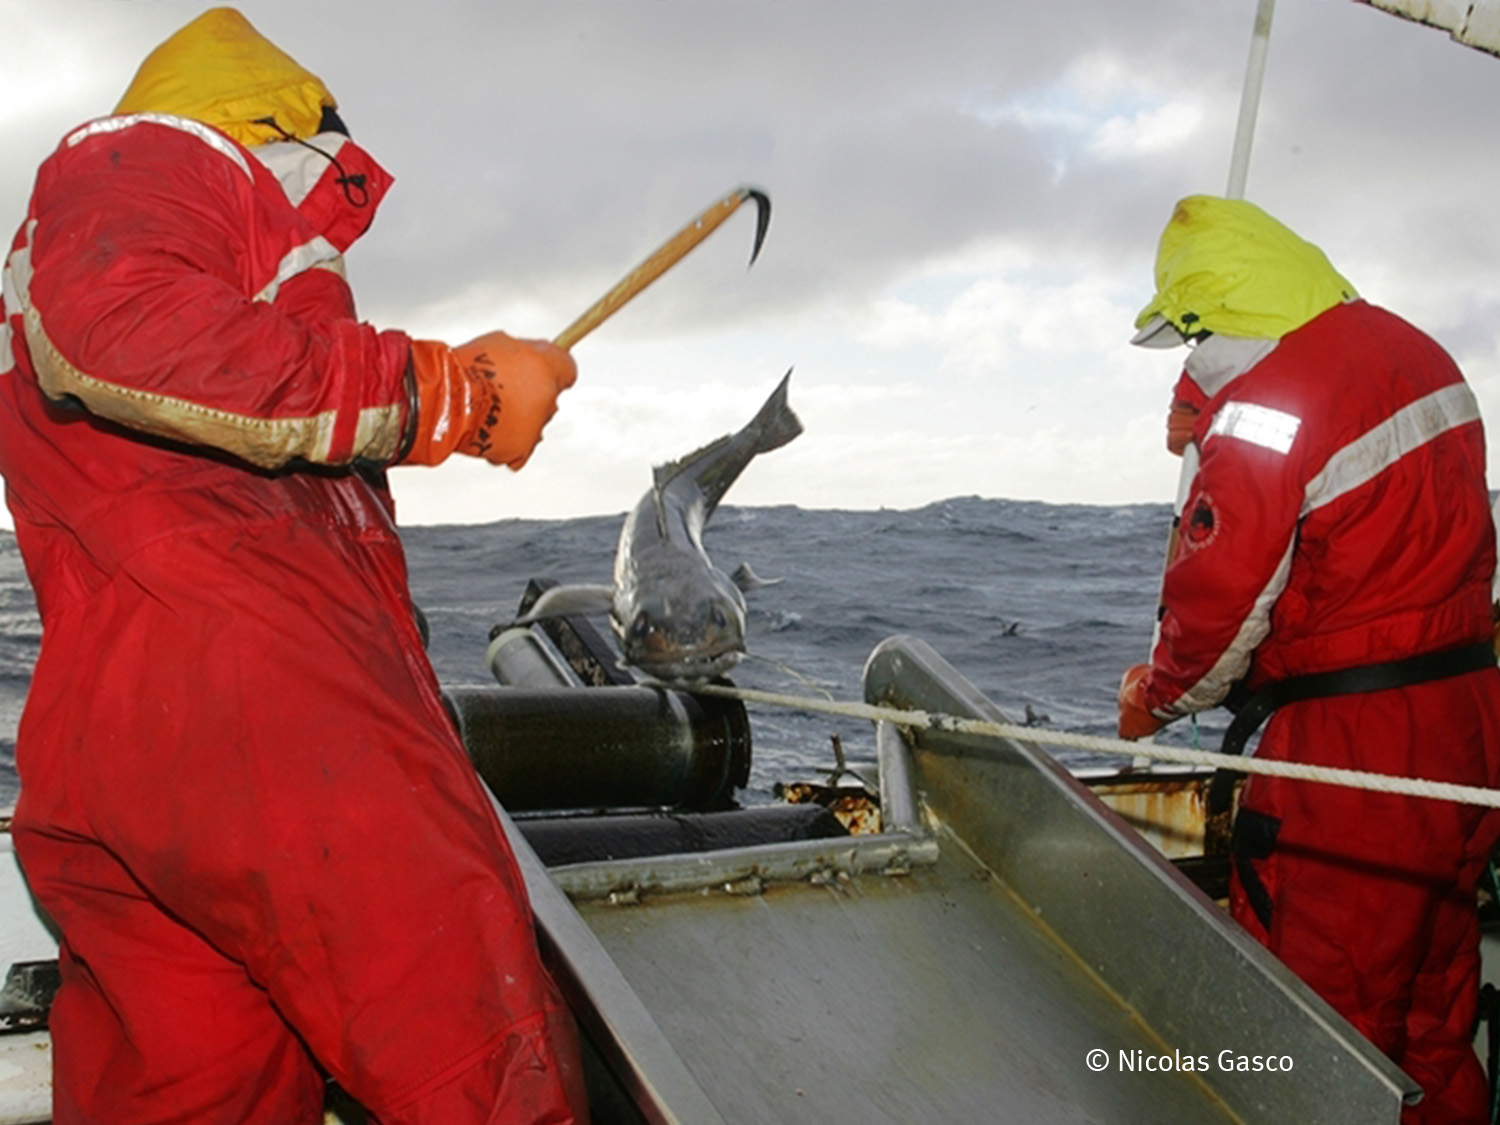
(668, 255)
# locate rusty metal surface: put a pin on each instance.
(747, 867)
(855, 809)
(1169, 808)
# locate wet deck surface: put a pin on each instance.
(990, 1020)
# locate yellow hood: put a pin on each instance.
(221, 71)
(1226, 266)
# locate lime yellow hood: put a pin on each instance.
(219, 70)
(1225, 266)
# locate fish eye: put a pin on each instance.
(641, 625)
(716, 615)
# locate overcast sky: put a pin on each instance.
(967, 198)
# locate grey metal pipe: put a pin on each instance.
(900, 809)
(1255, 70)
(523, 658)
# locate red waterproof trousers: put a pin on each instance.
(262, 842)
(1370, 897)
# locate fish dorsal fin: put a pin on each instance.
(664, 475)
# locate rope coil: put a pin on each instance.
(1299, 771)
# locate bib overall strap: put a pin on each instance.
(1420, 669)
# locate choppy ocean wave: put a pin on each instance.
(1040, 605)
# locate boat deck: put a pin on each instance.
(931, 988)
(1004, 949)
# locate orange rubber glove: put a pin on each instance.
(1180, 422)
(1135, 720)
(488, 398)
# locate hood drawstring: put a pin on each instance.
(354, 187)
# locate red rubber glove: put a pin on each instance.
(1135, 720)
(488, 398)
(1180, 422)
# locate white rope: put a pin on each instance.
(1354, 779)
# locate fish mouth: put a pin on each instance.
(680, 654)
(687, 667)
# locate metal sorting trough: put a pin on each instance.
(959, 967)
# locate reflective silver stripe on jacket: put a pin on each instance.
(299, 165)
(1407, 430)
(211, 137)
(298, 169)
(1356, 464)
(1259, 425)
(15, 292)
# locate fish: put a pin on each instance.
(678, 617)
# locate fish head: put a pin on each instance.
(686, 631)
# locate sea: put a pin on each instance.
(1040, 606)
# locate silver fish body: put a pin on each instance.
(678, 617)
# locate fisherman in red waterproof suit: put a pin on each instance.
(242, 800)
(1338, 520)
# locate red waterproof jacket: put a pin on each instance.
(1339, 518)
(163, 281)
(234, 754)
(1313, 449)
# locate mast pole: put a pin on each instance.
(1255, 70)
(1239, 171)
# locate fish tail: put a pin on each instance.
(776, 424)
(718, 464)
